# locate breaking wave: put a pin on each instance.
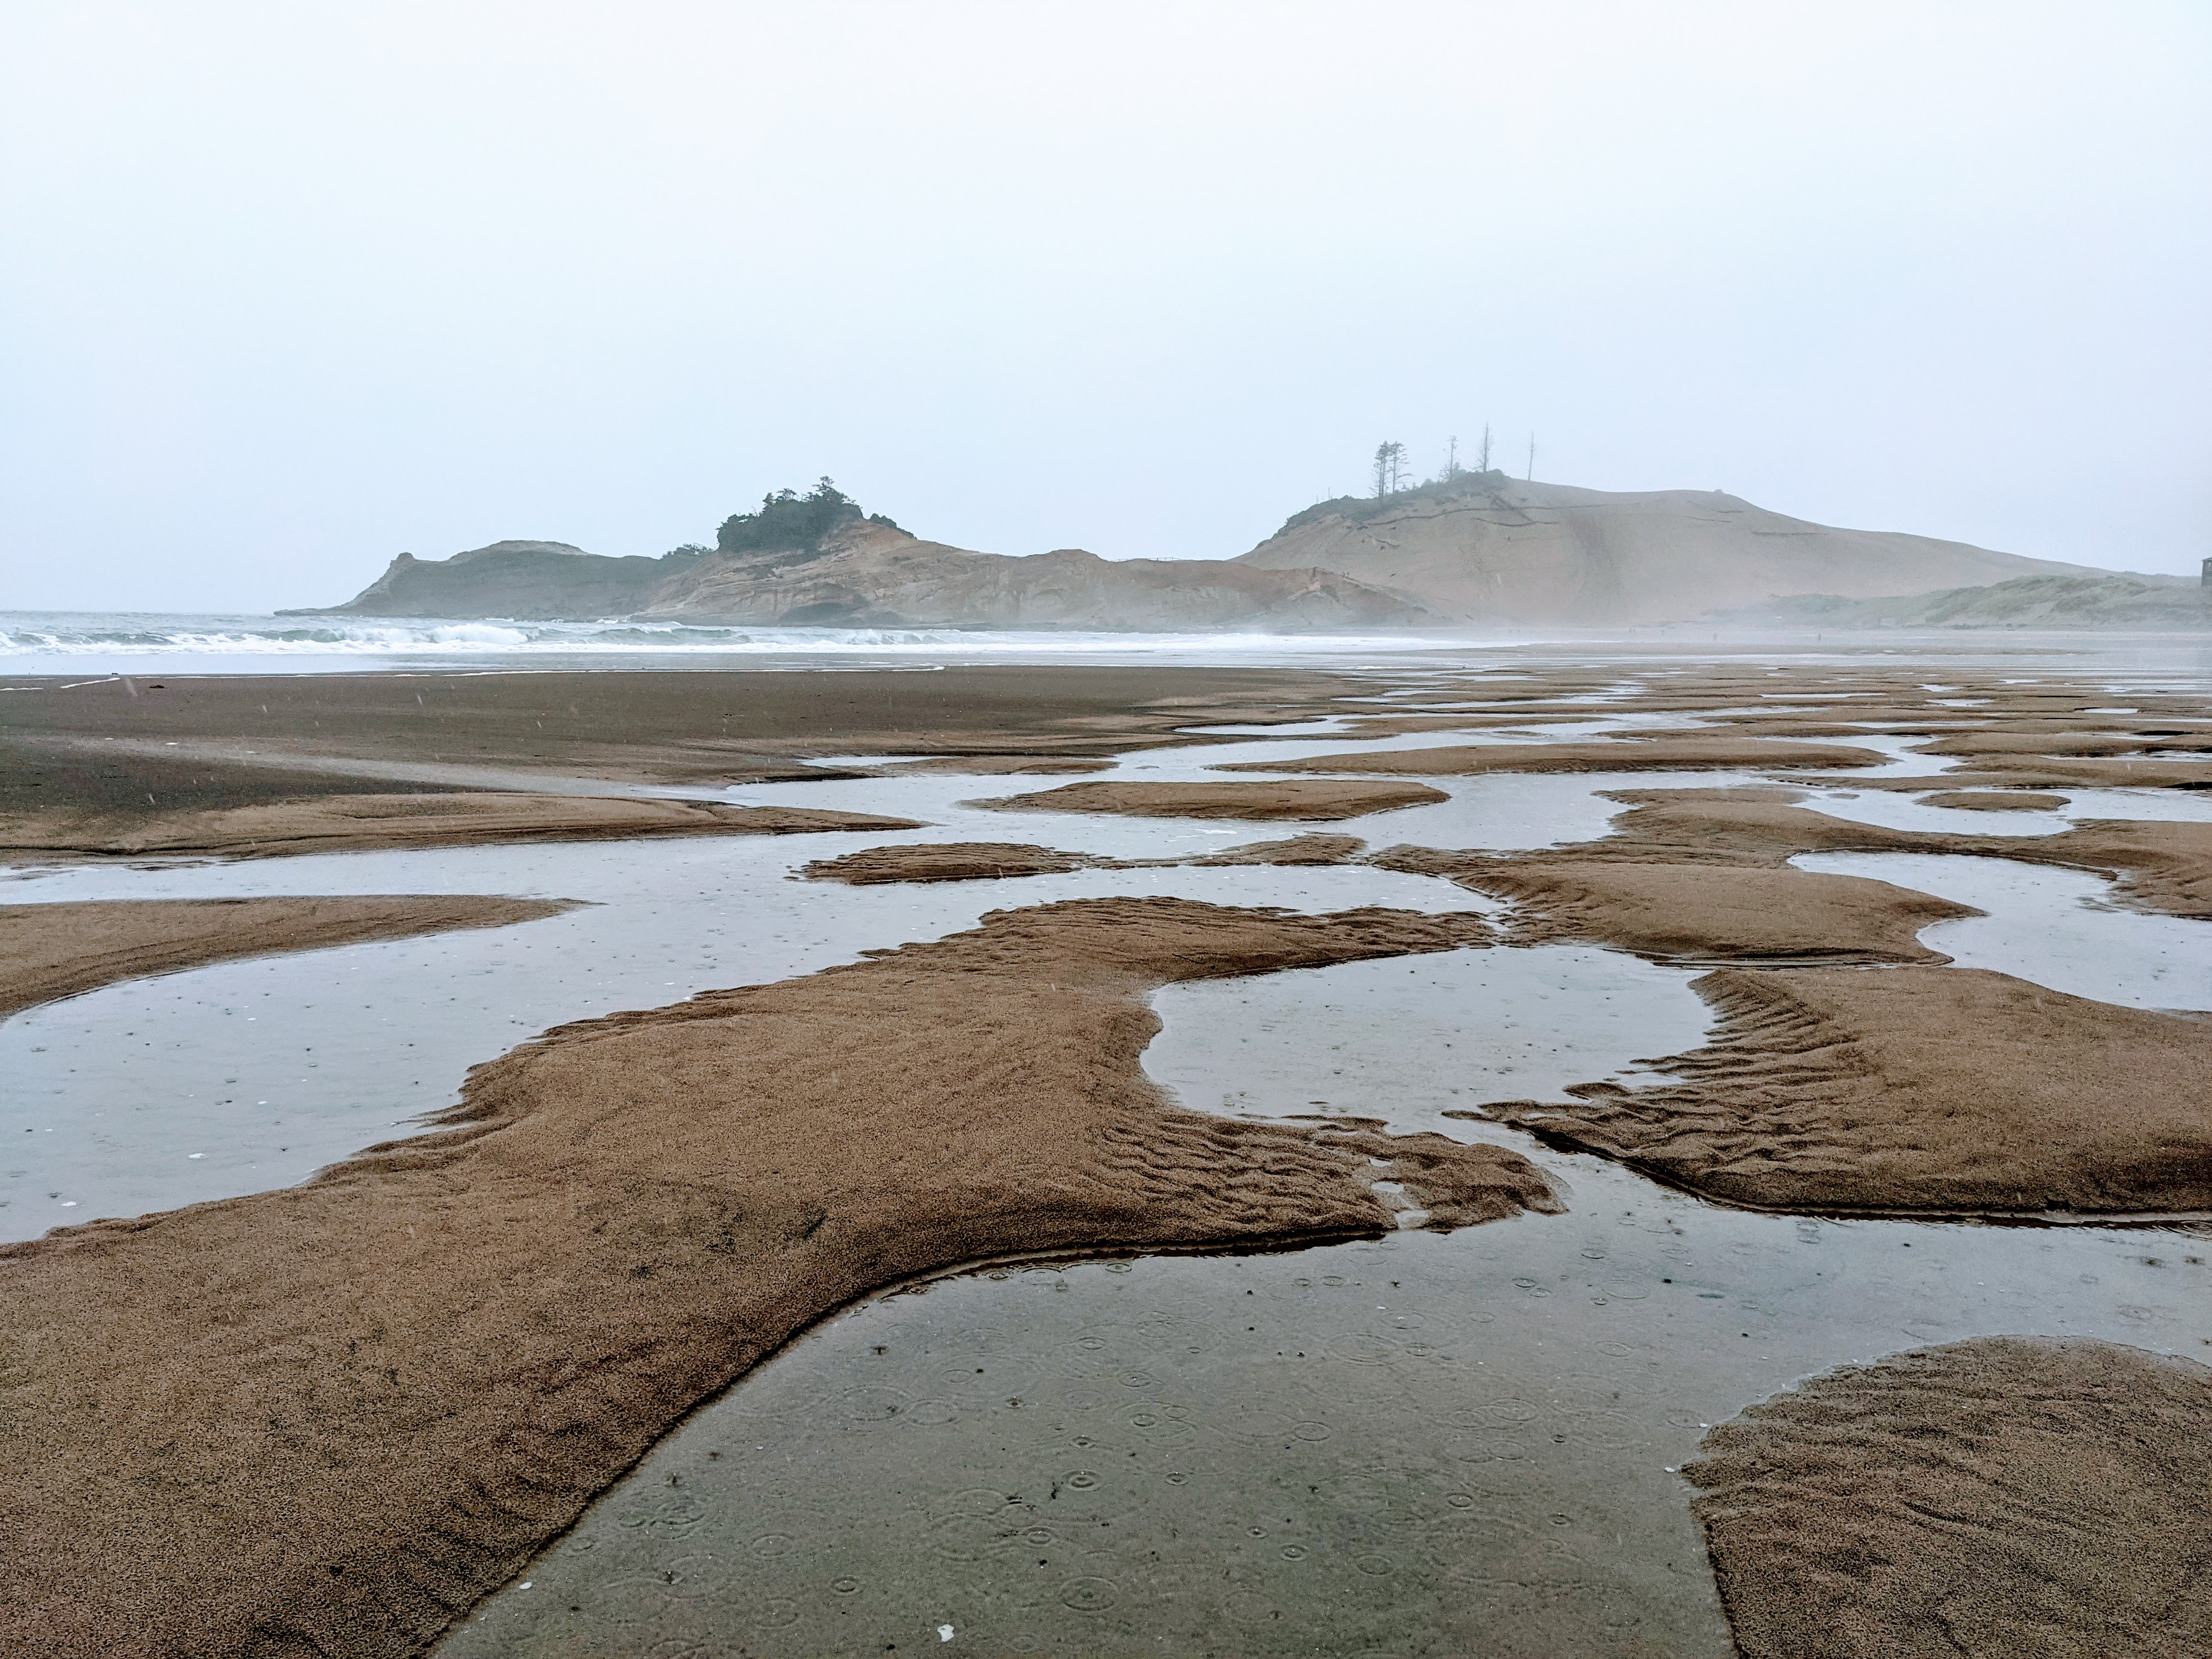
(27, 637)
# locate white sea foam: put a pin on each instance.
(32, 639)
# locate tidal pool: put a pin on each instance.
(1422, 1444)
(1440, 1444)
(242, 1076)
(2050, 925)
(1418, 1444)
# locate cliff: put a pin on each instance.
(1488, 548)
(863, 572)
(866, 573)
(2143, 603)
(535, 582)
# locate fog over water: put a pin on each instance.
(288, 291)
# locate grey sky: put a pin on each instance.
(285, 289)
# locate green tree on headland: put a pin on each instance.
(788, 522)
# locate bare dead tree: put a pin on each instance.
(1532, 455)
(1483, 465)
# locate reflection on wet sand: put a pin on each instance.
(1421, 1442)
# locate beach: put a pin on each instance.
(531, 1161)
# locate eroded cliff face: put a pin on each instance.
(531, 580)
(1488, 548)
(866, 573)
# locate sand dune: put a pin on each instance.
(1490, 549)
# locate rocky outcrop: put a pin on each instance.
(867, 572)
(1488, 548)
(528, 580)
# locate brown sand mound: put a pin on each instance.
(1656, 754)
(2004, 1496)
(996, 766)
(353, 823)
(2068, 744)
(998, 860)
(1745, 827)
(1315, 849)
(1945, 1091)
(2158, 866)
(1998, 772)
(1699, 912)
(964, 861)
(48, 951)
(1993, 800)
(1308, 802)
(328, 1420)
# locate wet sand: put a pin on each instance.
(1993, 800)
(999, 860)
(1697, 912)
(339, 823)
(48, 951)
(1985, 1499)
(1631, 752)
(330, 1419)
(1999, 772)
(1301, 802)
(1914, 1091)
(479, 1328)
(652, 725)
(2162, 866)
(964, 861)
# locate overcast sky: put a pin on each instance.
(285, 289)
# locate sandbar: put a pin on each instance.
(1306, 802)
(1000, 860)
(1994, 800)
(372, 822)
(1987, 1499)
(1628, 753)
(328, 1420)
(1940, 1091)
(48, 951)
(955, 860)
(1697, 912)
(2157, 866)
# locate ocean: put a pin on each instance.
(155, 642)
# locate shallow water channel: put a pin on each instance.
(2054, 926)
(1419, 1444)
(242, 1076)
